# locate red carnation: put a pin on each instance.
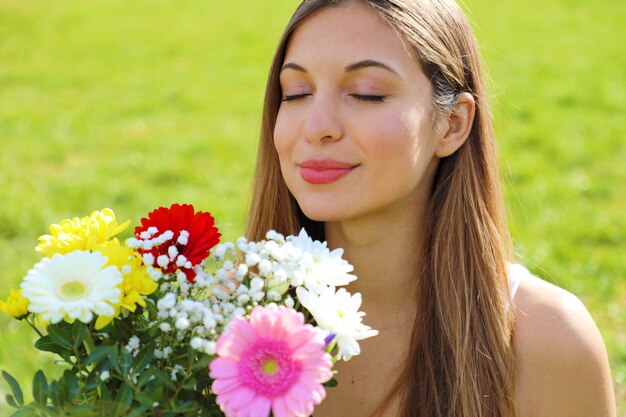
(177, 238)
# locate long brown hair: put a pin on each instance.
(460, 361)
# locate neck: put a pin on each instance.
(385, 252)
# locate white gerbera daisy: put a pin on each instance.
(338, 313)
(323, 267)
(72, 286)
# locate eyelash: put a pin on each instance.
(368, 98)
(295, 97)
(360, 97)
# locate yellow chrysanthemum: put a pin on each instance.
(80, 234)
(16, 305)
(137, 283)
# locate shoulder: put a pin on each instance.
(562, 365)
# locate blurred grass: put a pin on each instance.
(132, 105)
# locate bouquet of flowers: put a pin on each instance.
(172, 322)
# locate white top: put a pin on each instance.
(516, 274)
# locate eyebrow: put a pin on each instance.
(368, 63)
(295, 67)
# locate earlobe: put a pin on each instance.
(458, 124)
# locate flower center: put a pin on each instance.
(268, 368)
(73, 290)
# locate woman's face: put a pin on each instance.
(355, 133)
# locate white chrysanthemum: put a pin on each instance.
(338, 313)
(72, 286)
(323, 267)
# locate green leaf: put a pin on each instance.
(153, 332)
(91, 385)
(144, 399)
(138, 412)
(79, 330)
(58, 393)
(40, 388)
(24, 412)
(164, 379)
(105, 393)
(53, 391)
(185, 406)
(123, 400)
(121, 330)
(145, 377)
(70, 382)
(11, 401)
(15, 388)
(98, 354)
(155, 390)
(93, 380)
(331, 384)
(143, 358)
(61, 337)
(47, 345)
(126, 361)
(102, 407)
(202, 363)
(84, 410)
(115, 360)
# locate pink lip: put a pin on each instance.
(324, 171)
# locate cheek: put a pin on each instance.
(404, 139)
(282, 136)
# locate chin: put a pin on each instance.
(321, 212)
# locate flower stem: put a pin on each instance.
(34, 327)
(90, 346)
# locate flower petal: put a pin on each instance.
(223, 368)
(279, 408)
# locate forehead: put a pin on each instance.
(345, 34)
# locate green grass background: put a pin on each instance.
(136, 104)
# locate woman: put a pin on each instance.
(377, 138)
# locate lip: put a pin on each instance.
(324, 171)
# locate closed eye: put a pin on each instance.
(295, 97)
(368, 97)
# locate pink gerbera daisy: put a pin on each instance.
(271, 362)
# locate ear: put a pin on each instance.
(457, 125)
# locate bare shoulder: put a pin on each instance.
(562, 365)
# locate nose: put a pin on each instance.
(322, 123)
